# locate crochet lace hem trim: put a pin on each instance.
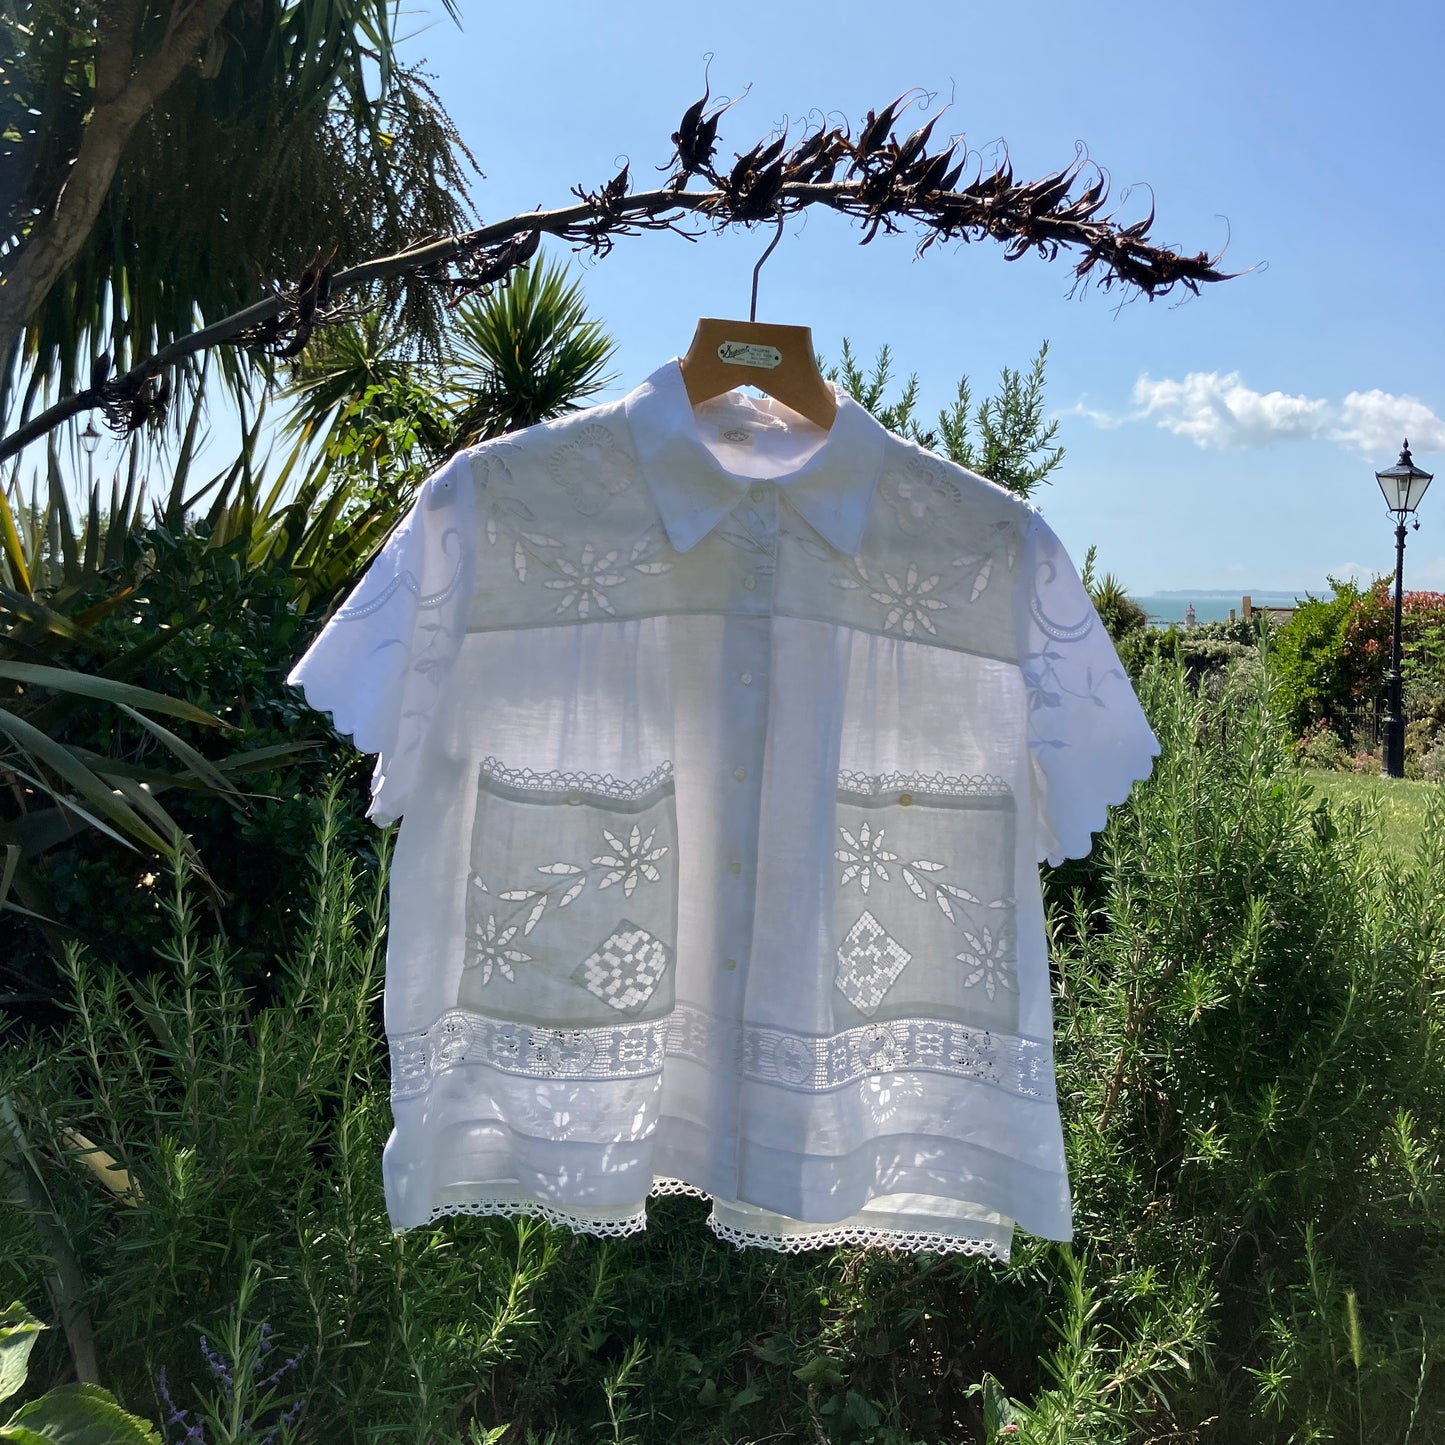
(859, 1237)
(555, 781)
(844, 1236)
(874, 785)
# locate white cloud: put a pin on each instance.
(1376, 422)
(1215, 410)
(1104, 420)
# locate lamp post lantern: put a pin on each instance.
(89, 440)
(1404, 486)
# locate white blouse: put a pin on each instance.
(727, 749)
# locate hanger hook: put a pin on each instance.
(772, 246)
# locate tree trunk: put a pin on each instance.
(127, 87)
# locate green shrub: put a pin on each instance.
(1319, 677)
(1250, 1071)
(1320, 747)
(1432, 763)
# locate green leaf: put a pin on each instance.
(63, 762)
(13, 548)
(18, 1329)
(64, 679)
(7, 876)
(79, 1415)
(193, 761)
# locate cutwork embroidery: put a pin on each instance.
(869, 962)
(630, 954)
(920, 497)
(630, 861)
(768, 1055)
(865, 855)
(451, 542)
(483, 942)
(990, 955)
(1042, 674)
(1001, 539)
(592, 469)
(487, 944)
(625, 968)
(907, 603)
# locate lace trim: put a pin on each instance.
(680, 1187)
(533, 1209)
(862, 1237)
(636, 1222)
(873, 785)
(809, 1062)
(602, 785)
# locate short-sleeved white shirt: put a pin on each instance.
(726, 750)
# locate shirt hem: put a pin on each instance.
(625, 1225)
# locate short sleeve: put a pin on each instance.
(1088, 736)
(379, 664)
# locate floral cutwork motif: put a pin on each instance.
(908, 602)
(630, 861)
(865, 855)
(491, 929)
(866, 858)
(989, 960)
(592, 469)
(1000, 540)
(487, 944)
(585, 582)
(921, 496)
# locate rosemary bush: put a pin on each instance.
(1248, 1025)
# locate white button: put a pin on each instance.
(746, 678)
(756, 492)
(740, 773)
(735, 867)
(749, 583)
(730, 964)
(574, 796)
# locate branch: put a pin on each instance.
(124, 94)
(886, 183)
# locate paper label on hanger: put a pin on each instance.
(749, 353)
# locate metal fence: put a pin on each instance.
(1362, 727)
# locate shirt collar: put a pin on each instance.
(832, 491)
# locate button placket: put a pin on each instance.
(747, 706)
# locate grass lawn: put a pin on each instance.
(1401, 803)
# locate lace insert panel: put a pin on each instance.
(571, 898)
(924, 909)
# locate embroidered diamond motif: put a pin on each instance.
(869, 962)
(625, 968)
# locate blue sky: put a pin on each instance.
(1228, 442)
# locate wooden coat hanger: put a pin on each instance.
(778, 360)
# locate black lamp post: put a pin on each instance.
(89, 440)
(1404, 486)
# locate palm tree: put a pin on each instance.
(518, 355)
(162, 160)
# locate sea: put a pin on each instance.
(1166, 607)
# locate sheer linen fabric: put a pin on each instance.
(725, 751)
